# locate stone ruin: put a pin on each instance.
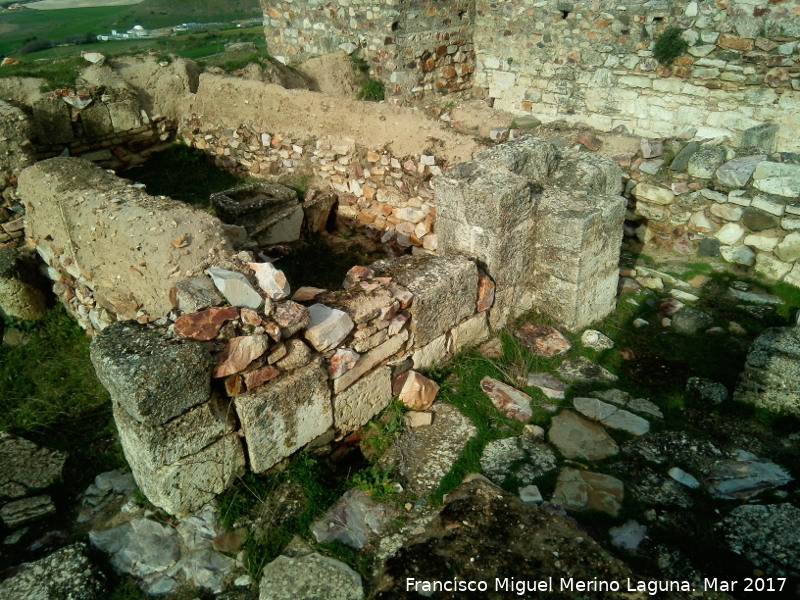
(213, 369)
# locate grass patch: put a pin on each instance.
(60, 73)
(461, 388)
(373, 90)
(24, 24)
(233, 61)
(376, 482)
(669, 46)
(50, 395)
(380, 433)
(320, 487)
(184, 174)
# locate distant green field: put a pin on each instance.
(17, 26)
(152, 14)
(60, 66)
(189, 45)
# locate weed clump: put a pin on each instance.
(669, 46)
(373, 90)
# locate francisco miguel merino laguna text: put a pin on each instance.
(549, 584)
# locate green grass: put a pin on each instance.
(376, 482)
(380, 433)
(55, 25)
(188, 45)
(233, 61)
(21, 25)
(56, 73)
(669, 46)
(152, 14)
(60, 66)
(50, 395)
(320, 487)
(184, 174)
(373, 90)
(461, 388)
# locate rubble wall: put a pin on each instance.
(713, 201)
(105, 125)
(266, 382)
(16, 153)
(592, 62)
(388, 195)
(417, 47)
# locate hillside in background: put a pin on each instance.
(19, 26)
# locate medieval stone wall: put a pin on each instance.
(580, 61)
(416, 47)
(593, 62)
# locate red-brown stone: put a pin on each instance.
(356, 275)
(731, 42)
(239, 352)
(250, 317)
(205, 325)
(486, 289)
(592, 142)
(542, 340)
(258, 377)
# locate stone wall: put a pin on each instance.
(386, 194)
(415, 46)
(593, 62)
(716, 201)
(546, 224)
(113, 251)
(105, 125)
(16, 153)
(587, 61)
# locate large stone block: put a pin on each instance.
(575, 256)
(186, 485)
(363, 400)
(116, 239)
(553, 231)
(52, 121)
(284, 415)
(771, 376)
(158, 445)
(445, 291)
(138, 368)
(588, 171)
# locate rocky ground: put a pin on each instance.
(613, 454)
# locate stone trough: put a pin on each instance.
(269, 212)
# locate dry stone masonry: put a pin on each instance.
(263, 373)
(16, 153)
(386, 194)
(546, 225)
